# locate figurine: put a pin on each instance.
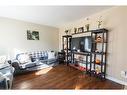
(99, 39)
(87, 25)
(99, 22)
(98, 61)
(97, 70)
(75, 30)
(81, 29)
(66, 31)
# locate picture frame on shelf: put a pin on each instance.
(75, 30)
(87, 26)
(66, 31)
(80, 29)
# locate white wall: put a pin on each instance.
(13, 37)
(115, 20)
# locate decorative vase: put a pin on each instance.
(100, 22)
(66, 31)
(75, 30)
(87, 27)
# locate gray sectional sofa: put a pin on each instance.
(6, 76)
(30, 61)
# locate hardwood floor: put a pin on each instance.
(61, 77)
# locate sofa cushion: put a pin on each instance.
(37, 59)
(38, 55)
(39, 63)
(24, 58)
(41, 58)
(50, 61)
(27, 65)
(34, 59)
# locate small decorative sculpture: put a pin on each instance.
(98, 61)
(99, 39)
(75, 30)
(80, 29)
(87, 25)
(66, 31)
(99, 22)
(97, 70)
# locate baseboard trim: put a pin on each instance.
(116, 80)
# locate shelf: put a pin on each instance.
(68, 49)
(83, 62)
(67, 36)
(99, 53)
(68, 54)
(78, 67)
(80, 32)
(93, 31)
(98, 64)
(102, 30)
(99, 42)
(101, 74)
(82, 53)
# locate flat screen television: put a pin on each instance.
(82, 44)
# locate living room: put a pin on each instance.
(33, 47)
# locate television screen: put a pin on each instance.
(83, 44)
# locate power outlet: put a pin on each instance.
(124, 74)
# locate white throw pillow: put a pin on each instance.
(24, 58)
(51, 55)
(2, 59)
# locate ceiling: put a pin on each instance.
(49, 15)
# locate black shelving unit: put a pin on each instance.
(61, 57)
(99, 52)
(66, 47)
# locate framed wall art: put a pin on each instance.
(32, 35)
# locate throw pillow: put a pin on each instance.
(51, 55)
(24, 58)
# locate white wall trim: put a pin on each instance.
(116, 80)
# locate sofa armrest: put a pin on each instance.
(15, 64)
(3, 84)
(7, 74)
(5, 79)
